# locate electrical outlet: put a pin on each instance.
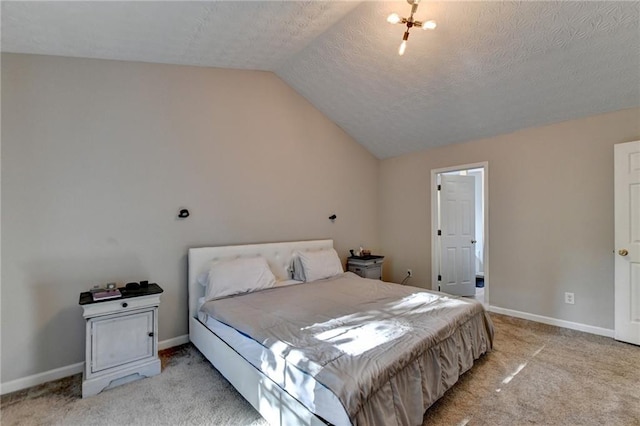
(569, 298)
(409, 273)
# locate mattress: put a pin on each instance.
(354, 350)
(316, 397)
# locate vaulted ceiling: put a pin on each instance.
(488, 68)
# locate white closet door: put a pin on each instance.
(457, 242)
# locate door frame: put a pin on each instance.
(485, 219)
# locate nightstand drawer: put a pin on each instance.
(373, 272)
(121, 305)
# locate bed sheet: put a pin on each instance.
(385, 351)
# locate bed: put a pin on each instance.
(337, 350)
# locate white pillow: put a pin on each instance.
(320, 264)
(235, 276)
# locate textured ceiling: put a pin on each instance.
(489, 68)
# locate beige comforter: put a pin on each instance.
(386, 351)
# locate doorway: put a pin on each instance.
(459, 252)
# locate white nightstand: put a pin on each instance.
(122, 338)
(366, 266)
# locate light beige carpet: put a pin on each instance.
(536, 374)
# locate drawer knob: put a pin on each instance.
(125, 304)
(151, 334)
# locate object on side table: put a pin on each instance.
(121, 338)
(106, 294)
(369, 266)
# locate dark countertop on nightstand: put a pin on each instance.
(370, 257)
(86, 297)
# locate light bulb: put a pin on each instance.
(429, 25)
(403, 47)
(394, 18)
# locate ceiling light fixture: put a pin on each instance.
(394, 18)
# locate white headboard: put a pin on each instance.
(278, 256)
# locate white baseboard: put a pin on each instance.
(554, 321)
(176, 341)
(38, 379)
(70, 370)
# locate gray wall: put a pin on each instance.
(97, 157)
(550, 214)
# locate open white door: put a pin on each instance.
(627, 241)
(458, 230)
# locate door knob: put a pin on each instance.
(623, 252)
(473, 241)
